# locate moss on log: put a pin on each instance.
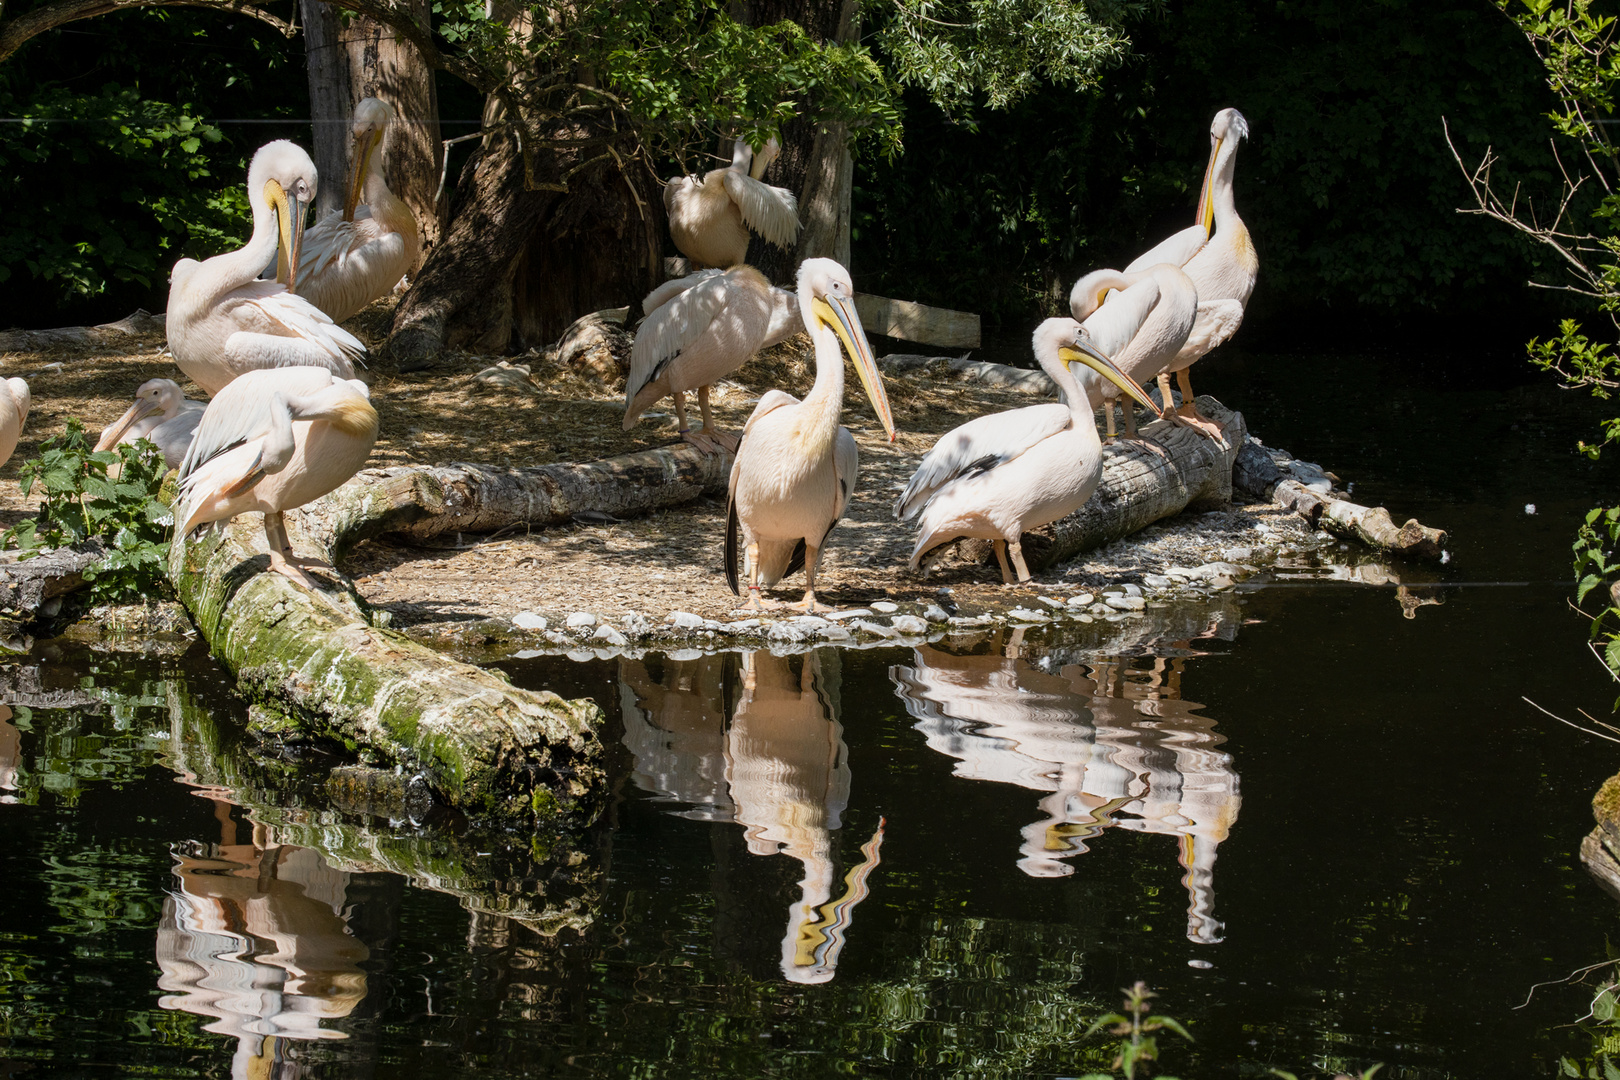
(1600, 850)
(314, 665)
(1169, 470)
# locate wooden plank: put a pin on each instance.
(910, 321)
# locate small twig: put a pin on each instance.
(1571, 723)
(1555, 982)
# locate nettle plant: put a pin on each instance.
(84, 500)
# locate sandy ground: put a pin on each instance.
(669, 561)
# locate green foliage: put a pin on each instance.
(1602, 1024)
(1139, 1042)
(1003, 49)
(82, 502)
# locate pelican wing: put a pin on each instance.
(1217, 321)
(280, 329)
(772, 212)
(978, 446)
(347, 264)
(772, 400)
(673, 325)
(1176, 249)
(669, 290)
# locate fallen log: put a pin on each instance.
(108, 334)
(962, 369)
(314, 666)
(911, 321)
(1308, 491)
(33, 588)
(1600, 850)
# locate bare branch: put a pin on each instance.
(15, 32)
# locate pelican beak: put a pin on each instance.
(290, 216)
(839, 313)
(1083, 353)
(365, 144)
(138, 411)
(1206, 203)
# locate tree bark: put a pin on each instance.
(326, 64)
(314, 666)
(384, 65)
(815, 164)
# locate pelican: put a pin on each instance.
(162, 414)
(1223, 269)
(352, 258)
(14, 403)
(699, 329)
(273, 441)
(709, 219)
(222, 322)
(1142, 327)
(796, 467)
(1001, 475)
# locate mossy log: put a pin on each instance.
(314, 665)
(109, 335)
(1600, 851)
(1170, 469)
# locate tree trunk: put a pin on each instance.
(314, 666)
(815, 164)
(326, 61)
(384, 65)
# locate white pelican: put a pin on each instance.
(1223, 269)
(222, 322)
(14, 403)
(709, 219)
(162, 414)
(352, 258)
(699, 329)
(1141, 327)
(796, 467)
(273, 441)
(1001, 475)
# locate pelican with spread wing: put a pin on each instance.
(222, 321)
(796, 467)
(163, 415)
(709, 218)
(351, 258)
(272, 441)
(1001, 475)
(1142, 326)
(699, 329)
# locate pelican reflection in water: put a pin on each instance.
(255, 937)
(780, 769)
(1109, 752)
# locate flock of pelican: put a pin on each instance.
(257, 329)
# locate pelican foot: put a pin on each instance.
(807, 605)
(756, 604)
(1188, 416)
(292, 571)
(725, 440)
(700, 440)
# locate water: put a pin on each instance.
(1326, 833)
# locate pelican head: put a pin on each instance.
(283, 177)
(154, 396)
(1228, 124)
(832, 303)
(1090, 291)
(767, 154)
(372, 118)
(1072, 344)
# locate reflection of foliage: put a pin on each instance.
(82, 501)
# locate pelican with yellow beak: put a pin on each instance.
(352, 258)
(222, 321)
(1223, 267)
(999, 476)
(795, 469)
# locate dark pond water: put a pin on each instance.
(1326, 833)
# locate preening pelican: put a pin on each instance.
(162, 414)
(1141, 327)
(699, 329)
(1001, 475)
(352, 258)
(796, 467)
(273, 441)
(709, 219)
(1223, 268)
(14, 403)
(222, 322)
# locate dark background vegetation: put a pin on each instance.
(145, 121)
